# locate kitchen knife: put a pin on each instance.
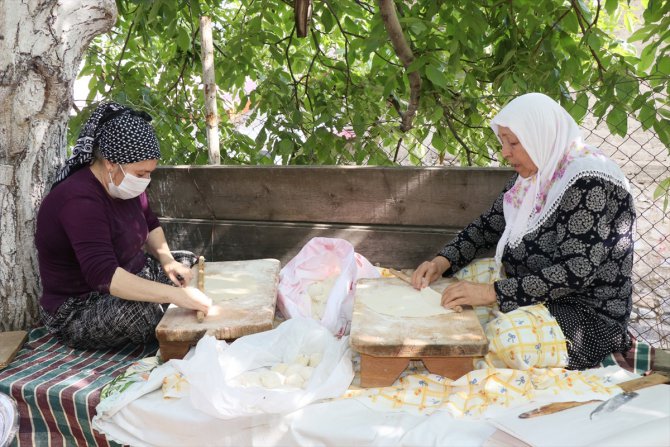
(627, 387)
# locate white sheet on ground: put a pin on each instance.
(142, 415)
(638, 422)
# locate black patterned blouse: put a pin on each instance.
(578, 263)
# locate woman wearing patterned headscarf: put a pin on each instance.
(563, 233)
(100, 288)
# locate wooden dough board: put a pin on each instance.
(445, 343)
(10, 343)
(247, 306)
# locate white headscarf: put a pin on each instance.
(554, 143)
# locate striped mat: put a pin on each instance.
(639, 359)
(57, 389)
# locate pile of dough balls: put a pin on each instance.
(282, 375)
(318, 293)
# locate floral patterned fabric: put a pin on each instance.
(578, 263)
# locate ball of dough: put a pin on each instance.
(295, 381)
(271, 379)
(315, 359)
(249, 378)
(280, 368)
(293, 368)
(302, 359)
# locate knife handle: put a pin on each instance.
(553, 408)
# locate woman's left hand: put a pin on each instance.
(470, 293)
(178, 273)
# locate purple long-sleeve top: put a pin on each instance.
(83, 235)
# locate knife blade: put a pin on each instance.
(613, 403)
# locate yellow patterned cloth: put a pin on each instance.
(482, 389)
(524, 338)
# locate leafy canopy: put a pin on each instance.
(334, 96)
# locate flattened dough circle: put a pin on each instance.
(404, 301)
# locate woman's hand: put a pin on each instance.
(178, 273)
(470, 293)
(429, 272)
(192, 298)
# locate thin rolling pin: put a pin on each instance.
(408, 280)
(200, 315)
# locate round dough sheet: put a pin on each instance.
(403, 301)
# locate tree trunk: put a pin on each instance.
(41, 46)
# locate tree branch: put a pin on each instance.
(468, 151)
(346, 53)
(595, 19)
(406, 56)
(551, 28)
(386, 60)
(290, 70)
(397, 149)
(580, 20)
(123, 51)
(396, 105)
(181, 75)
(368, 7)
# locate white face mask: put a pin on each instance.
(129, 188)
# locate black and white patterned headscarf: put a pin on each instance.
(122, 134)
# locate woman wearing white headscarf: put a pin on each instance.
(563, 232)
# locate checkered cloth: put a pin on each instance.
(57, 388)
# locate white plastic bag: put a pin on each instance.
(213, 369)
(319, 259)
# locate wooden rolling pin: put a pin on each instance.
(200, 315)
(408, 280)
(627, 387)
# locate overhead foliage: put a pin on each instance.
(337, 96)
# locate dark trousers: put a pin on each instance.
(99, 321)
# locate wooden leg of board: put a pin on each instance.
(381, 371)
(174, 349)
(450, 367)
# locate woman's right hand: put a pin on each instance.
(429, 271)
(192, 298)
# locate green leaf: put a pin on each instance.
(663, 65)
(611, 6)
(647, 57)
(580, 107)
(183, 39)
(437, 115)
(642, 34)
(438, 143)
(617, 121)
(662, 129)
(436, 76)
(285, 147)
(647, 115)
(327, 20)
(663, 190)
